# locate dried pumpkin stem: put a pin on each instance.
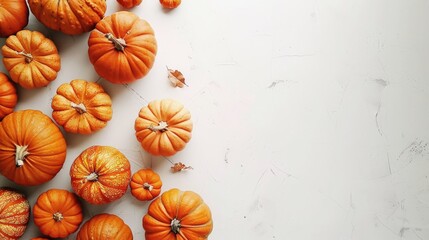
(147, 186)
(80, 108)
(57, 217)
(119, 43)
(92, 177)
(28, 56)
(20, 154)
(175, 226)
(162, 127)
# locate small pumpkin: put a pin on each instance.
(68, 16)
(122, 47)
(163, 127)
(105, 226)
(8, 96)
(100, 174)
(57, 213)
(31, 59)
(14, 214)
(32, 148)
(170, 3)
(13, 16)
(178, 215)
(145, 184)
(81, 107)
(129, 3)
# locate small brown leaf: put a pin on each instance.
(178, 167)
(176, 77)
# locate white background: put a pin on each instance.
(310, 116)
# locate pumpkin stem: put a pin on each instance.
(28, 56)
(80, 108)
(92, 177)
(57, 217)
(20, 154)
(162, 127)
(147, 186)
(175, 226)
(119, 43)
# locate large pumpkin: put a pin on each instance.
(14, 214)
(105, 226)
(32, 148)
(100, 174)
(122, 47)
(178, 215)
(163, 127)
(13, 16)
(81, 107)
(68, 16)
(57, 213)
(145, 184)
(8, 96)
(31, 59)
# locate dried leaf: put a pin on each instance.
(176, 77)
(178, 167)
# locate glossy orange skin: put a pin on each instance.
(105, 227)
(68, 16)
(171, 140)
(31, 59)
(14, 214)
(100, 174)
(170, 3)
(187, 207)
(145, 184)
(8, 96)
(95, 102)
(13, 16)
(32, 132)
(61, 203)
(129, 3)
(128, 61)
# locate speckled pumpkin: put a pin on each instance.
(8, 96)
(14, 214)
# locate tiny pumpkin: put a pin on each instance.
(68, 16)
(163, 127)
(13, 16)
(178, 215)
(129, 3)
(105, 226)
(14, 214)
(8, 96)
(100, 174)
(31, 59)
(57, 213)
(145, 184)
(32, 148)
(81, 107)
(170, 3)
(122, 47)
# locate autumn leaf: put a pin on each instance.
(176, 78)
(179, 167)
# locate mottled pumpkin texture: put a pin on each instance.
(14, 214)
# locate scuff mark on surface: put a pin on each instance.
(381, 83)
(275, 83)
(225, 158)
(135, 92)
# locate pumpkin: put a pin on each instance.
(81, 107)
(31, 59)
(122, 47)
(129, 3)
(32, 148)
(163, 127)
(170, 3)
(14, 214)
(68, 16)
(178, 215)
(13, 16)
(8, 96)
(100, 174)
(40, 238)
(105, 226)
(145, 184)
(57, 213)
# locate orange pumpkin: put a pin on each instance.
(40, 238)
(170, 3)
(163, 127)
(145, 184)
(8, 96)
(13, 16)
(100, 174)
(122, 47)
(14, 214)
(105, 226)
(31, 59)
(32, 148)
(178, 215)
(129, 3)
(81, 107)
(57, 213)
(68, 16)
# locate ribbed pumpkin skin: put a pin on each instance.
(131, 57)
(13, 16)
(68, 16)
(57, 213)
(8, 96)
(145, 184)
(169, 140)
(38, 143)
(129, 3)
(178, 215)
(170, 3)
(14, 214)
(31, 59)
(105, 227)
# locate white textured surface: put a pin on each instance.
(310, 116)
